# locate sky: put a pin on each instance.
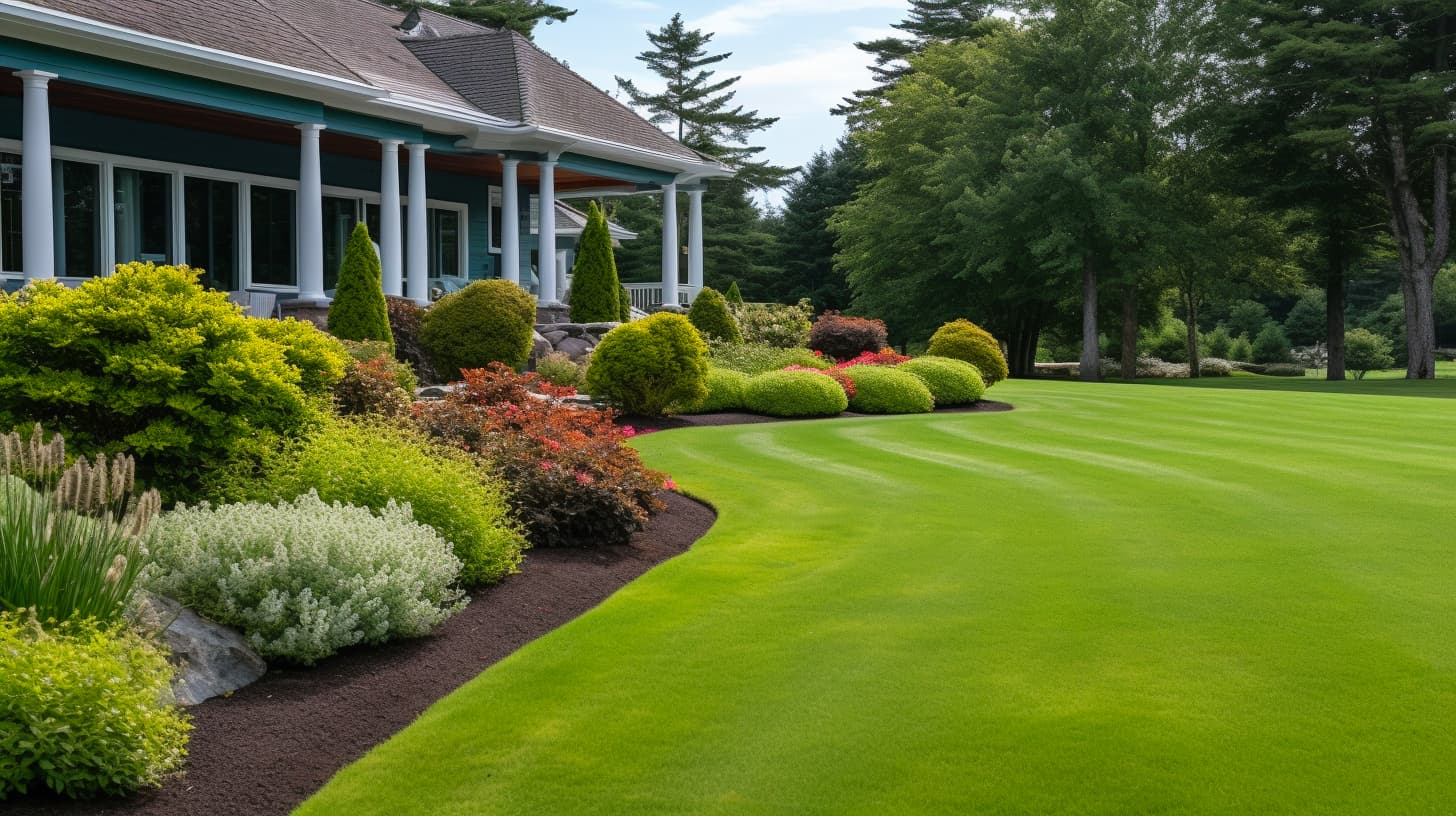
(797, 57)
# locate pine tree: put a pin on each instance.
(358, 311)
(734, 296)
(595, 289)
(520, 16)
(806, 246)
(928, 22)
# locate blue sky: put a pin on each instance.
(797, 57)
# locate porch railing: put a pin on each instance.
(647, 296)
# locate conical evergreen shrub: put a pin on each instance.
(358, 311)
(595, 290)
(734, 296)
(712, 319)
(624, 301)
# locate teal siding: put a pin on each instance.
(616, 170)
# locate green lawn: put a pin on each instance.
(1385, 383)
(1116, 599)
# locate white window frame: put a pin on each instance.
(109, 162)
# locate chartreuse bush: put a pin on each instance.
(370, 463)
(710, 315)
(304, 579)
(149, 362)
(595, 289)
(951, 382)
(794, 394)
(886, 390)
(489, 321)
(85, 709)
(358, 311)
(964, 340)
(751, 358)
(725, 392)
(649, 365)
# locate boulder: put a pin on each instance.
(211, 659)
(554, 337)
(598, 329)
(540, 347)
(569, 329)
(575, 347)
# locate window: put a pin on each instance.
(371, 221)
(273, 242)
(212, 231)
(495, 219)
(143, 216)
(78, 227)
(10, 237)
(444, 243)
(340, 216)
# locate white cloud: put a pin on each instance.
(746, 16)
(817, 79)
(635, 5)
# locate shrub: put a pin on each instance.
(1366, 351)
(405, 320)
(725, 392)
(595, 290)
(650, 364)
(624, 304)
(839, 375)
(1167, 341)
(964, 340)
(883, 357)
(369, 351)
(489, 321)
(843, 337)
(1305, 324)
(1247, 317)
(757, 358)
(712, 319)
(884, 390)
(375, 382)
(84, 709)
(371, 463)
(794, 394)
(304, 579)
(558, 369)
(1217, 343)
(734, 296)
(1214, 367)
(575, 483)
(951, 382)
(1241, 350)
(775, 324)
(1271, 346)
(358, 311)
(148, 361)
(1285, 370)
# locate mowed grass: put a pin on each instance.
(1381, 383)
(1116, 599)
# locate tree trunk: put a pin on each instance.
(1419, 260)
(1091, 366)
(1021, 346)
(1190, 314)
(1128, 369)
(1335, 308)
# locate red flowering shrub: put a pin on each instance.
(883, 357)
(372, 387)
(845, 338)
(835, 374)
(574, 483)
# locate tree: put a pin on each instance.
(358, 311)
(806, 246)
(928, 22)
(734, 296)
(1305, 323)
(1367, 351)
(520, 16)
(594, 284)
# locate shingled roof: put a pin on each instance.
(446, 61)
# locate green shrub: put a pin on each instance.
(304, 579)
(369, 463)
(756, 358)
(560, 370)
(375, 382)
(647, 365)
(734, 296)
(370, 351)
(624, 305)
(951, 382)
(358, 311)
(844, 338)
(794, 394)
(1284, 370)
(1241, 350)
(1247, 317)
(965, 341)
(595, 290)
(1305, 324)
(84, 709)
(489, 321)
(1167, 341)
(712, 319)
(1218, 343)
(725, 392)
(149, 362)
(1271, 346)
(775, 324)
(885, 390)
(1366, 351)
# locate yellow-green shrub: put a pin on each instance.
(650, 364)
(725, 392)
(489, 321)
(794, 394)
(964, 340)
(951, 382)
(886, 390)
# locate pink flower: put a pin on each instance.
(547, 465)
(669, 484)
(584, 478)
(628, 431)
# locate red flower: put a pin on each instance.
(584, 478)
(669, 484)
(547, 465)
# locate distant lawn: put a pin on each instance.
(1113, 600)
(1388, 383)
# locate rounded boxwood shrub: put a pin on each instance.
(725, 392)
(885, 390)
(713, 320)
(650, 364)
(964, 340)
(358, 311)
(794, 394)
(84, 709)
(951, 382)
(489, 321)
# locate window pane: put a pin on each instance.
(79, 186)
(10, 249)
(273, 225)
(495, 219)
(444, 243)
(212, 231)
(340, 216)
(371, 220)
(143, 216)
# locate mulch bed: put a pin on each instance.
(271, 745)
(735, 418)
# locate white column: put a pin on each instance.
(510, 239)
(417, 254)
(37, 229)
(546, 245)
(695, 241)
(391, 234)
(669, 244)
(310, 215)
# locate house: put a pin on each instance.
(247, 137)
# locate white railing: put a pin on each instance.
(647, 296)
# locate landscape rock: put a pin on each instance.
(575, 347)
(211, 659)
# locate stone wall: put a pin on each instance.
(576, 340)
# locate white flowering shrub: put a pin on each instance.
(305, 579)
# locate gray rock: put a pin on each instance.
(599, 329)
(570, 329)
(554, 337)
(432, 392)
(540, 347)
(211, 659)
(575, 347)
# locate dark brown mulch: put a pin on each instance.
(271, 745)
(650, 424)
